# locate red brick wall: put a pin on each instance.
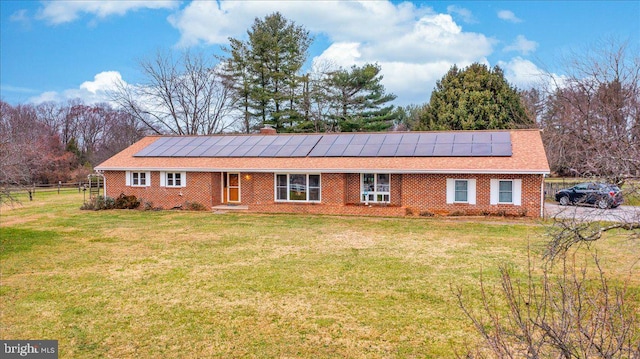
(198, 189)
(412, 194)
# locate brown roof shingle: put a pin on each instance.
(528, 156)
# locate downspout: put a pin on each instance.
(542, 196)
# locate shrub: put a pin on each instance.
(126, 202)
(99, 203)
(194, 206)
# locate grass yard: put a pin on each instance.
(174, 284)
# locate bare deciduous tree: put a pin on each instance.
(591, 120)
(566, 314)
(186, 96)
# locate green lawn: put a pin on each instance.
(172, 284)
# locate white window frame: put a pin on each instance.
(129, 178)
(368, 196)
(288, 188)
(516, 191)
(471, 190)
(164, 179)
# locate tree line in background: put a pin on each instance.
(53, 142)
(590, 118)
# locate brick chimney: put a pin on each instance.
(268, 130)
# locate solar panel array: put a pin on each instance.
(406, 144)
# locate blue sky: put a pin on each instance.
(60, 50)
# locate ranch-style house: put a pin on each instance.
(377, 174)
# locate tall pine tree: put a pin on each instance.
(266, 70)
(359, 100)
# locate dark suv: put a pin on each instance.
(602, 195)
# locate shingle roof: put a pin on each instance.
(527, 156)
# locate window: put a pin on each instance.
(173, 179)
(298, 187)
(506, 191)
(138, 179)
(461, 194)
(461, 190)
(374, 187)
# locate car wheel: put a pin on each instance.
(602, 203)
(564, 201)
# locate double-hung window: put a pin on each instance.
(375, 187)
(461, 190)
(173, 179)
(298, 187)
(506, 191)
(137, 179)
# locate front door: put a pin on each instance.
(233, 187)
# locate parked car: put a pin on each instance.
(602, 195)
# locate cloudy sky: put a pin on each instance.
(60, 50)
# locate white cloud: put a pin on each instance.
(414, 45)
(62, 11)
(89, 92)
(522, 45)
(525, 74)
(464, 14)
(508, 15)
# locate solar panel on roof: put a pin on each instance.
(501, 149)
(303, 150)
(238, 140)
(410, 138)
(482, 137)
(270, 151)
(446, 137)
(370, 150)
(387, 150)
(461, 149)
(226, 150)
(353, 150)
(463, 137)
(427, 138)
(424, 150)
(392, 139)
(359, 139)
(336, 150)
(319, 150)
(443, 149)
(255, 151)
(376, 139)
(400, 144)
(500, 137)
(481, 149)
(405, 150)
(286, 151)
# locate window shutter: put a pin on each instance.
(183, 179)
(494, 191)
(451, 190)
(471, 191)
(163, 179)
(517, 192)
(148, 179)
(127, 178)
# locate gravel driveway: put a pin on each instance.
(588, 213)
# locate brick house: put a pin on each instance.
(378, 174)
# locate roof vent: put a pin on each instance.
(268, 130)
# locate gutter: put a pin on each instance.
(543, 172)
